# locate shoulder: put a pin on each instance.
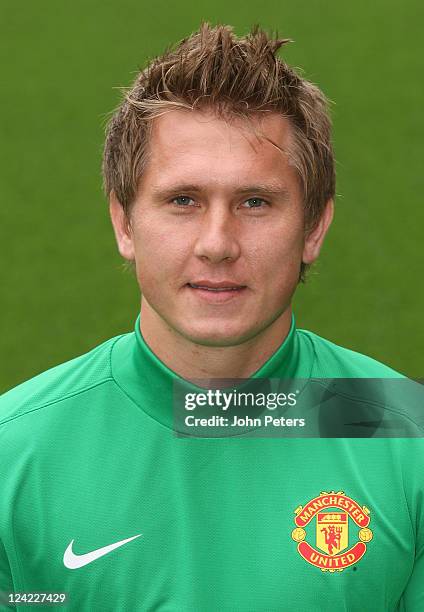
(63, 381)
(361, 396)
(332, 360)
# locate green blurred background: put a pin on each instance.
(63, 289)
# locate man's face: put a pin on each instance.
(217, 228)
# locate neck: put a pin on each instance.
(191, 360)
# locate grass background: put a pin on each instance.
(62, 287)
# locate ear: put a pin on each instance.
(121, 227)
(315, 238)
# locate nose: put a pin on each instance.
(217, 238)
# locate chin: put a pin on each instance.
(218, 335)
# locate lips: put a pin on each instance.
(220, 286)
(218, 289)
(216, 293)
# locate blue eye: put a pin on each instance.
(258, 202)
(182, 201)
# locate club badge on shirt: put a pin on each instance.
(328, 517)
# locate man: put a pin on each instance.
(219, 169)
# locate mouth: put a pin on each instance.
(216, 293)
(212, 288)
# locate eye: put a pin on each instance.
(256, 203)
(182, 201)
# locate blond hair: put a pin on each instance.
(235, 77)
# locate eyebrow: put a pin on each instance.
(262, 189)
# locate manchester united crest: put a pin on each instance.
(327, 518)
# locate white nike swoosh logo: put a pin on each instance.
(73, 561)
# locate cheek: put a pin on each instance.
(149, 236)
(280, 251)
(160, 255)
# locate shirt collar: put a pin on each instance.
(149, 382)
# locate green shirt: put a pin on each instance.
(233, 523)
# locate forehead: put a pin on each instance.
(187, 144)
